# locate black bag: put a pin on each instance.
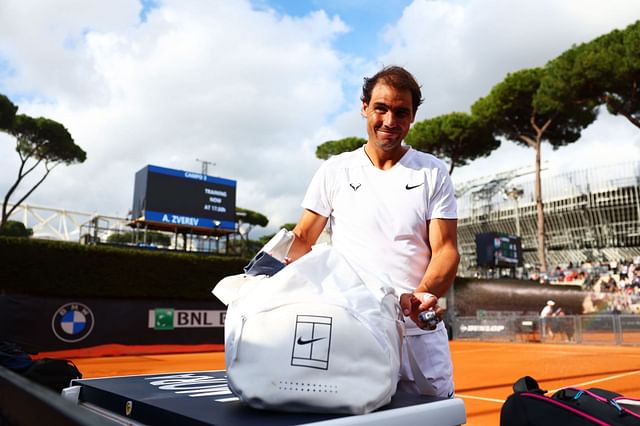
(55, 374)
(528, 406)
(14, 358)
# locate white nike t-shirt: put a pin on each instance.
(378, 218)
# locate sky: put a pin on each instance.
(255, 86)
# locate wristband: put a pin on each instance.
(428, 295)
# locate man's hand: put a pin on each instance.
(414, 303)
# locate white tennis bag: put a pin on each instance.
(315, 337)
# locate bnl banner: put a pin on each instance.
(178, 197)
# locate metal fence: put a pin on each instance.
(583, 329)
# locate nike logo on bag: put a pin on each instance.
(306, 342)
(355, 187)
(413, 186)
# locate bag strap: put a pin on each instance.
(424, 385)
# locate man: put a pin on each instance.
(392, 210)
(545, 313)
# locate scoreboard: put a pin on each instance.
(496, 249)
(182, 199)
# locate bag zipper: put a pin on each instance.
(236, 341)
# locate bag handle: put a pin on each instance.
(528, 384)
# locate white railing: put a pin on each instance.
(59, 224)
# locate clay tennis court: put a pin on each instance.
(484, 372)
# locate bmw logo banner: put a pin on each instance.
(72, 322)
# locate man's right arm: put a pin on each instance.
(306, 232)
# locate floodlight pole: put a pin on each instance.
(205, 165)
(515, 193)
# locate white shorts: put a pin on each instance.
(431, 351)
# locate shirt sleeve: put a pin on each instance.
(317, 197)
(442, 203)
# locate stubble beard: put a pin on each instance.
(387, 144)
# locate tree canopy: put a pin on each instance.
(46, 141)
(622, 94)
(249, 219)
(458, 137)
(39, 141)
(605, 70)
(329, 148)
(518, 111)
(7, 113)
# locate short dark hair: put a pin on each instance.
(396, 77)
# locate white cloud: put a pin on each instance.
(41, 42)
(256, 91)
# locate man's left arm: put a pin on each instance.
(439, 276)
(442, 269)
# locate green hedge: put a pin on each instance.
(54, 268)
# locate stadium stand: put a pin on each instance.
(592, 216)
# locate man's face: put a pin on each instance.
(389, 116)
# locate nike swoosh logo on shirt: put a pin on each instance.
(413, 186)
(306, 342)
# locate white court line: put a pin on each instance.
(500, 401)
(533, 349)
(460, 351)
(604, 379)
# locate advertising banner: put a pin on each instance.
(41, 324)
